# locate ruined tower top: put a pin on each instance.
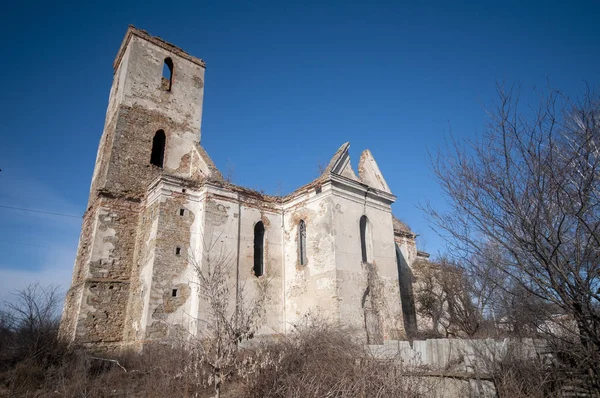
(133, 31)
(159, 77)
(153, 118)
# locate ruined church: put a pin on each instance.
(157, 202)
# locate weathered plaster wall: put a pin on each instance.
(167, 235)
(142, 84)
(107, 270)
(74, 295)
(167, 308)
(141, 275)
(310, 288)
(368, 292)
(230, 218)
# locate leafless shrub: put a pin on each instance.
(444, 295)
(515, 367)
(233, 316)
(29, 323)
(28, 337)
(531, 367)
(324, 360)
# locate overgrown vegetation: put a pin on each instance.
(316, 360)
(323, 360)
(233, 316)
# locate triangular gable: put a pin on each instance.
(369, 172)
(340, 163)
(203, 163)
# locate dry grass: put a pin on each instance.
(322, 360)
(317, 360)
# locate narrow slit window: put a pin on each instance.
(363, 238)
(259, 238)
(174, 293)
(167, 74)
(181, 212)
(302, 242)
(178, 251)
(158, 149)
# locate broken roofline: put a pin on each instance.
(339, 170)
(339, 173)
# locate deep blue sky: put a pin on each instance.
(286, 84)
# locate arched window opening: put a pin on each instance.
(259, 239)
(364, 239)
(302, 242)
(158, 149)
(167, 74)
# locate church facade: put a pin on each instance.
(157, 204)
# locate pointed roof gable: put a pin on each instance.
(369, 172)
(204, 164)
(340, 163)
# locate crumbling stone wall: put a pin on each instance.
(141, 275)
(97, 302)
(169, 291)
(102, 270)
(104, 308)
(106, 284)
(373, 304)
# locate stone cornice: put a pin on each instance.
(363, 189)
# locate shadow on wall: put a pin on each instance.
(405, 282)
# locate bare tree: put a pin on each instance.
(531, 187)
(446, 295)
(32, 319)
(430, 297)
(233, 315)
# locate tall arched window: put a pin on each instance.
(259, 239)
(365, 239)
(167, 74)
(302, 242)
(158, 148)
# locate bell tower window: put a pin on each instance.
(158, 149)
(167, 74)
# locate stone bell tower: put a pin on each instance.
(152, 127)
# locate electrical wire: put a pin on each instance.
(39, 211)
